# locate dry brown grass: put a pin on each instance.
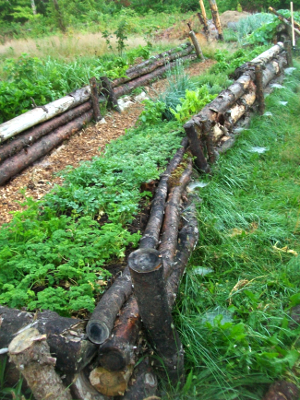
(67, 47)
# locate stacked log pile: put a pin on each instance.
(32, 135)
(211, 130)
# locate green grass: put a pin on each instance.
(249, 219)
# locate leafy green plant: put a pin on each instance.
(193, 102)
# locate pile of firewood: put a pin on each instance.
(34, 134)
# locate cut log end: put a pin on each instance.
(113, 360)
(97, 331)
(144, 260)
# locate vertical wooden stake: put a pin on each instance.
(149, 288)
(196, 44)
(108, 91)
(216, 18)
(196, 150)
(95, 99)
(259, 89)
(204, 17)
(288, 49)
(293, 27)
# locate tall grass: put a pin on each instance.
(234, 322)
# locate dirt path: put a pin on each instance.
(39, 178)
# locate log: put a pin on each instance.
(156, 57)
(204, 17)
(169, 235)
(259, 89)
(195, 147)
(146, 79)
(137, 72)
(239, 109)
(196, 45)
(289, 56)
(81, 389)
(286, 21)
(273, 68)
(108, 92)
(95, 99)
(65, 336)
(44, 113)
(216, 18)
(32, 135)
(101, 323)
(143, 382)
(149, 289)
(269, 54)
(103, 318)
(119, 350)
(17, 163)
(110, 383)
(187, 241)
(30, 353)
(150, 237)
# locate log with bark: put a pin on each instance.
(30, 352)
(95, 99)
(119, 350)
(204, 17)
(81, 388)
(43, 113)
(149, 289)
(103, 318)
(107, 91)
(30, 136)
(187, 241)
(156, 63)
(146, 79)
(27, 156)
(216, 17)
(170, 226)
(196, 44)
(152, 59)
(259, 89)
(150, 237)
(65, 336)
(112, 383)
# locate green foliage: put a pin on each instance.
(193, 102)
(152, 112)
(53, 254)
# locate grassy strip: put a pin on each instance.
(233, 310)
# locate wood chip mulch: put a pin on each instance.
(38, 179)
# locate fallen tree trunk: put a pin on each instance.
(65, 336)
(32, 135)
(146, 69)
(43, 113)
(150, 237)
(146, 79)
(103, 318)
(30, 353)
(169, 235)
(118, 351)
(26, 157)
(152, 59)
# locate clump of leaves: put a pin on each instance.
(193, 102)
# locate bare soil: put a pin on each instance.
(39, 179)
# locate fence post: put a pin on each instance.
(259, 89)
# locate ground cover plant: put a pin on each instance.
(235, 300)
